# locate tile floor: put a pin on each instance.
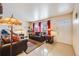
(55, 49)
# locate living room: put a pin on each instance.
(50, 29)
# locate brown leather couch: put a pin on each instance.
(14, 49)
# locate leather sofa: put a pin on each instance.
(48, 39)
(37, 38)
(14, 49)
(42, 38)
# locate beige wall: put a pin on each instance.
(76, 30)
(62, 25)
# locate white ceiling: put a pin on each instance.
(35, 11)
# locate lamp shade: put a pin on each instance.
(1, 21)
(11, 21)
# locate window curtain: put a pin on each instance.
(33, 26)
(49, 27)
(39, 26)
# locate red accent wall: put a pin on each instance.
(49, 27)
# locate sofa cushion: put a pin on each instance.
(15, 38)
(5, 40)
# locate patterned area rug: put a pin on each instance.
(32, 45)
